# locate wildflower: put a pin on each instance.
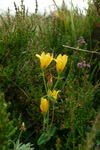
(54, 94)
(44, 106)
(88, 65)
(22, 128)
(57, 15)
(81, 41)
(61, 62)
(45, 60)
(83, 64)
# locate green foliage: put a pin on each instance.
(18, 60)
(22, 36)
(21, 146)
(89, 143)
(6, 126)
(75, 113)
(45, 137)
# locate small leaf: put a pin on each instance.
(79, 132)
(52, 131)
(21, 146)
(52, 98)
(43, 139)
(99, 64)
(93, 72)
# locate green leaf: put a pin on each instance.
(93, 72)
(43, 139)
(99, 64)
(21, 146)
(79, 132)
(52, 98)
(52, 131)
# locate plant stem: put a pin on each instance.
(56, 83)
(44, 124)
(44, 82)
(48, 117)
(18, 139)
(85, 78)
(48, 102)
(52, 115)
(72, 23)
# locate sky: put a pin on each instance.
(42, 5)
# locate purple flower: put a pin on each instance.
(83, 64)
(79, 65)
(88, 65)
(81, 41)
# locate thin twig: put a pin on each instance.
(17, 86)
(20, 88)
(79, 49)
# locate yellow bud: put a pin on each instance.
(44, 106)
(57, 15)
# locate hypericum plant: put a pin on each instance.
(51, 93)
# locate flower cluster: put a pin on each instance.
(51, 93)
(45, 61)
(81, 41)
(83, 64)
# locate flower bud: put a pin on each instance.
(50, 82)
(44, 106)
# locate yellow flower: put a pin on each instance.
(45, 60)
(57, 15)
(61, 62)
(54, 94)
(44, 106)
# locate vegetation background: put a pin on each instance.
(77, 114)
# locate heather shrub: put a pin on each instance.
(17, 60)
(7, 129)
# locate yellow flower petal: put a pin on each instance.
(54, 94)
(61, 62)
(44, 105)
(45, 60)
(38, 56)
